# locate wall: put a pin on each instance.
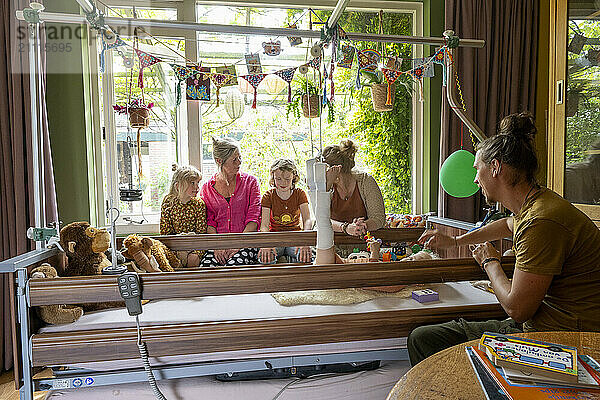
(66, 115)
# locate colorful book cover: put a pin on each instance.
(584, 377)
(491, 389)
(533, 392)
(552, 360)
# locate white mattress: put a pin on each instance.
(364, 385)
(259, 306)
(253, 306)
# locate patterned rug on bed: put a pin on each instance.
(340, 296)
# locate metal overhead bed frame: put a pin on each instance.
(40, 349)
(64, 348)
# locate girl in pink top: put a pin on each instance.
(232, 204)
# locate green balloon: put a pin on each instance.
(457, 174)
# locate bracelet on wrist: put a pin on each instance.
(487, 260)
(345, 227)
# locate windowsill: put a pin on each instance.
(150, 227)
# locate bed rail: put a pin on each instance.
(273, 239)
(259, 279)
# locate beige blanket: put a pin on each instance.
(339, 296)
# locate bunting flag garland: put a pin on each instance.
(287, 75)
(107, 46)
(181, 73)
(146, 60)
(219, 80)
(198, 84)
(254, 80)
(440, 58)
(391, 75)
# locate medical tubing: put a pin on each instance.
(144, 354)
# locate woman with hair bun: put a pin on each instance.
(357, 203)
(557, 262)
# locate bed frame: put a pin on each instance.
(55, 349)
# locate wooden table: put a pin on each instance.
(448, 374)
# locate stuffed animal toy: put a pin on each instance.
(84, 246)
(150, 254)
(55, 313)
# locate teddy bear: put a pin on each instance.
(150, 254)
(55, 313)
(84, 246)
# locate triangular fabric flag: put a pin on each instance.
(229, 71)
(417, 75)
(198, 84)
(367, 61)
(254, 80)
(287, 75)
(181, 73)
(440, 58)
(219, 80)
(391, 75)
(106, 46)
(426, 64)
(146, 60)
(347, 56)
(315, 62)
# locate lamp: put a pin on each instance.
(273, 84)
(234, 104)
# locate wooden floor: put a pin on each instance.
(7, 388)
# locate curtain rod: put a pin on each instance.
(118, 24)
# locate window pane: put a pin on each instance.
(276, 130)
(582, 142)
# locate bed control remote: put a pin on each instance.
(131, 292)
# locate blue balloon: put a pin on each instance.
(457, 174)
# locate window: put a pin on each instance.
(182, 134)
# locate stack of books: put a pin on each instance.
(510, 367)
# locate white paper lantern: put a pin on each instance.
(234, 104)
(273, 84)
(245, 86)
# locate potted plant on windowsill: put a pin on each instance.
(139, 112)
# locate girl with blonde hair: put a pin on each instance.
(182, 211)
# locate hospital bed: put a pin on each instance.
(223, 320)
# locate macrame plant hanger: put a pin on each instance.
(139, 117)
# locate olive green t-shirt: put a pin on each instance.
(552, 237)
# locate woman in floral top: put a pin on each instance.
(183, 212)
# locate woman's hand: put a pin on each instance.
(434, 239)
(267, 255)
(222, 256)
(304, 254)
(484, 250)
(357, 227)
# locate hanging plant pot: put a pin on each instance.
(139, 117)
(379, 93)
(311, 105)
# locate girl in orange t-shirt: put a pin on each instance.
(285, 208)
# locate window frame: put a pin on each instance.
(191, 133)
